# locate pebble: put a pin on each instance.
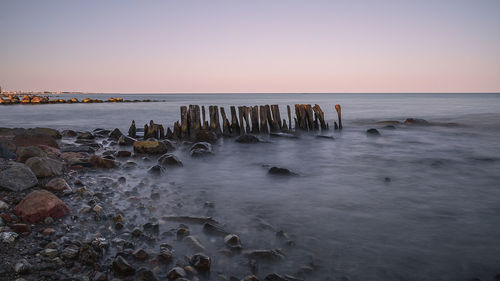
(48, 231)
(176, 272)
(97, 208)
(194, 243)
(3, 206)
(232, 241)
(122, 267)
(166, 253)
(70, 252)
(22, 267)
(50, 253)
(8, 237)
(137, 232)
(140, 254)
(201, 262)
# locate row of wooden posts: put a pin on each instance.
(262, 119)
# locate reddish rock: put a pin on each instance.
(123, 153)
(40, 204)
(48, 231)
(57, 184)
(35, 140)
(50, 151)
(100, 162)
(21, 228)
(6, 217)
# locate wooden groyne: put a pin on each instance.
(258, 119)
(39, 99)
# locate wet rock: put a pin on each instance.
(169, 144)
(123, 153)
(88, 255)
(146, 275)
(206, 136)
(389, 127)
(169, 160)
(156, 170)
(176, 272)
(122, 267)
(3, 206)
(150, 147)
(27, 152)
(182, 232)
(46, 132)
(34, 140)
(39, 204)
(115, 134)
(214, 229)
(126, 141)
(389, 122)
(71, 252)
(69, 133)
(45, 167)
(372, 132)
(86, 136)
(140, 254)
(247, 138)
(8, 237)
(137, 232)
(250, 278)
(264, 254)
(21, 228)
(57, 184)
(201, 262)
(16, 177)
(275, 277)
(416, 122)
(280, 171)
(99, 276)
(22, 267)
(5, 151)
(78, 148)
(233, 241)
(166, 253)
(100, 162)
(194, 243)
(190, 219)
(50, 253)
(97, 209)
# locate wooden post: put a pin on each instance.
(170, 134)
(263, 120)
(226, 129)
(240, 116)
(254, 116)
(146, 129)
(214, 120)
(300, 112)
(194, 120)
(285, 127)
(177, 131)
(162, 132)
(289, 117)
(310, 117)
(276, 116)
(203, 117)
(320, 115)
(339, 114)
(132, 130)
(246, 114)
(184, 123)
(235, 128)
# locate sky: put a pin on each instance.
(216, 46)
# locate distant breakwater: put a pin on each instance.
(38, 99)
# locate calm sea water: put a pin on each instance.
(437, 218)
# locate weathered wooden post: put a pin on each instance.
(132, 132)
(285, 127)
(289, 116)
(254, 116)
(226, 129)
(146, 130)
(214, 120)
(203, 117)
(162, 132)
(263, 120)
(194, 120)
(276, 116)
(321, 116)
(169, 135)
(246, 114)
(240, 116)
(235, 128)
(310, 118)
(339, 114)
(177, 131)
(184, 133)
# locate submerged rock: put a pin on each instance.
(416, 122)
(169, 160)
(373, 132)
(214, 229)
(156, 170)
(123, 153)
(16, 177)
(233, 241)
(45, 167)
(201, 262)
(264, 254)
(122, 267)
(247, 138)
(281, 171)
(176, 272)
(100, 162)
(125, 140)
(194, 243)
(201, 149)
(115, 134)
(150, 147)
(86, 136)
(39, 204)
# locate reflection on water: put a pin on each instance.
(418, 203)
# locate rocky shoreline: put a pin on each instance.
(39, 99)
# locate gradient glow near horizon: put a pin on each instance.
(250, 46)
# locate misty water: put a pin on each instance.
(417, 203)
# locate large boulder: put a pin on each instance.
(99, 162)
(169, 160)
(45, 167)
(27, 152)
(115, 134)
(150, 147)
(247, 138)
(40, 204)
(57, 184)
(201, 149)
(72, 157)
(35, 140)
(124, 140)
(16, 177)
(416, 122)
(6, 150)
(46, 131)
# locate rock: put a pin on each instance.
(46, 132)
(232, 241)
(8, 237)
(124, 140)
(80, 148)
(201, 262)
(70, 252)
(100, 162)
(50, 253)
(206, 136)
(69, 133)
(123, 153)
(214, 229)
(34, 140)
(57, 184)
(39, 204)
(281, 171)
(122, 267)
(169, 160)
(169, 144)
(388, 122)
(72, 157)
(194, 243)
(149, 147)
(26, 152)
(88, 255)
(373, 132)
(5, 152)
(45, 167)
(22, 267)
(98, 276)
(137, 232)
(275, 277)
(250, 278)
(247, 138)
(389, 127)
(97, 208)
(16, 177)
(3, 206)
(156, 170)
(146, 275)
(176, 272)
(416, 122)
(140, 254)
(166, 253)
(86, 136)
(264, 254)
(21, 228)
(201, 149)
(115, 134)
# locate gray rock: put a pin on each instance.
(25, 153)
(247, 138)
(122, 267)
(51, 253)
(45, 167)
(176, 272)
(80, 148)
(201, 262)
(86, 136)
(5, 152)
(232, 241)
(146, 275)
(115, 134)
(70, 252)
(194, 243)
(22, 267)
(169, 159)
(124, 140)
(16, 177)
(3, 206)
(156, 170)
(280, 171)
(373, 132)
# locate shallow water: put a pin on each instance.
(417, 203)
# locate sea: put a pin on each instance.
(415, 203)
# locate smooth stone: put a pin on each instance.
(86, 136)
(176, 272)
(169, 160)
(115, 134)
(194, 243)
(27, 152)
(149, 147)
(156, 170)
(57, 184)
(8, 237)
(22, 267)
(45, 167)
(126, 141)
(201, 262)
(100, 162)
(123, 153)
(416, 122)
(247, 138)
(372, 132)
(140, 254)
(16, 177)
(232, 241)
(122, 267)
(39, 204)
(280, 171)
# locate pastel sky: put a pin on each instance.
(186, 46)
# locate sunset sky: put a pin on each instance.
(203, 46)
